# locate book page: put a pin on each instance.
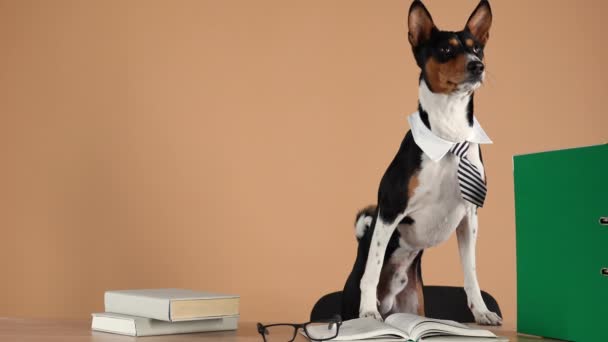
(366, 328)
(404, 321)
(444, 338)
(419, 327)
(430, 328)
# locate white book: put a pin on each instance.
(171, 305)
(408, 327)
(141, 326)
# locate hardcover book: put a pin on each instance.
(171, 305)
(140, 326)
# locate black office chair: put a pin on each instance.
(441, 302)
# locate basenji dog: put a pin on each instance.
(436, 182)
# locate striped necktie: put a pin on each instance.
(472, 186)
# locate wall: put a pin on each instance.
(226, 145)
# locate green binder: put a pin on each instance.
(561, 209)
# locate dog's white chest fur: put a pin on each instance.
(437, 206)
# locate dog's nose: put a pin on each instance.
(475, 67)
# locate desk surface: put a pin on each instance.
(47, 330)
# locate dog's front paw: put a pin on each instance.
(371, 314)
(487, 317)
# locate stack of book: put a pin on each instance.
(166, 311)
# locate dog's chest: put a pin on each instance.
(436, 205)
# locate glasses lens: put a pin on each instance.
(322, 331)
(279, 333)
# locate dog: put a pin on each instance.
(435, 183)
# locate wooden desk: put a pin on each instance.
(46, 330)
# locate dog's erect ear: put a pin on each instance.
(420, 24)
(480, 21)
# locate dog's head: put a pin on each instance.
(450, 61)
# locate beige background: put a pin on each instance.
(226, 145)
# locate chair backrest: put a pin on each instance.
(441, 302)
(450, 302)
(327, 306)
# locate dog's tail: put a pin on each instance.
(364, 220)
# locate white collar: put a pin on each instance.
(436, 147)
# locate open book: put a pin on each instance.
(409, 327)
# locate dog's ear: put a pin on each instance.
(480, 21)
(420, 24)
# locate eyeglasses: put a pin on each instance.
(322, 330)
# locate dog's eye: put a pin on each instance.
(476, 49)
(445, 50)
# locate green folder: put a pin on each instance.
(561, 210)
